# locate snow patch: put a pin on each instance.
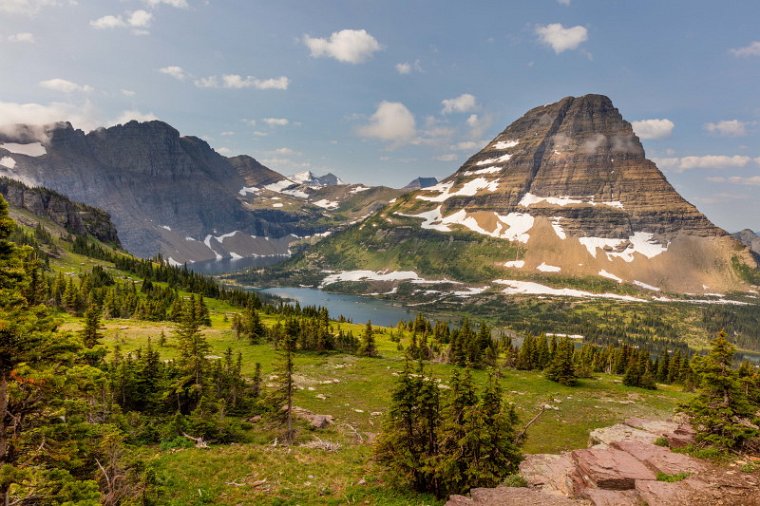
(188, 238)
(544, 267)
(222, 237)
(640, 242)
(505, 144)
(359, 189)
(30, 149)
(248, 189)
(646, 286)
(277, 204)
(518, 223)
(469, 189)
(470, 291)
(326, 204)
(166, 227)
(530, 199)
(173, 262)
(531, 288)
(207, 242)
(609, 275)
(7, 161)
(487, 170)
(235, 256)
(489, 161)
(558, 228)
(364, 275)
(515, 264)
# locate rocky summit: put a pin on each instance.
(568, 191)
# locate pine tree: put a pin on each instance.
(368, 348)
(720, 410)
(91, 333)
(193, 348)
(561, 368)
(281, 399)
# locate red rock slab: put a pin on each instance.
(660, 459)
(661, 493)
(502, 496)
(601, 497)
(556, 473)
(610, 468)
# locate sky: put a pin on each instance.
(381, 92)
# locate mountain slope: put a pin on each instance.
(564, 192)
(173, 194)
(749, 239)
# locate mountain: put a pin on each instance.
(565, 192)
(174, 194)
(750, 239)
(421, 182)
(76, 218)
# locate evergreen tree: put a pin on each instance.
(720, 410)
(561, 368)
(193, 349)
(368, 348)
(91, 333)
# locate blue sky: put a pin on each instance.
(381, 92)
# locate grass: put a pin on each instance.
(356, 392)
(671, 478)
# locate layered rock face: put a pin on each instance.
(569, 182)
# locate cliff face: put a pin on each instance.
(568, 191)
(749, 239)
(75, 217)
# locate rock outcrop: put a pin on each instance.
(627, 468)
(749, 239)
(75, 217)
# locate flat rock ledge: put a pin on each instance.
(620, 468)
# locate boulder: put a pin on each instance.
(619, 432)
(610, 468)
(553, 472)
(601, 497)
(659, 459)
(662, 493)
(512, 496)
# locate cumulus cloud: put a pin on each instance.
(462, 103)
(236, 81)
(448, 157)
(65, 86)
(139, 20)
(653, 128)
(562, 39)
(347, 46)
(684, 163)
(81, 115)
(25, 37)
(275, 121)
(408, 68)
(27, 7)
(391, 122)
(751, 180)
(174, 71)
(180, 4)
(566, 3)
(133, 115)
(752, 49)
(730, 128)
(127, 93)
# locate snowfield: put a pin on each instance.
(531, 288)
(34, 149)
(609, 275)
(544, 267)
(530, 199)
(326, 204)
(639, 242)
(469, 189)
(489, 161)
(505, 144)
(518, 224)
(7, 161)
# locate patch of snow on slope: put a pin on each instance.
(360, 188)
(530, 288)
(489, 161)
(592, 243)
(646, 286)
(364, 275)
(222, 237)
(469, 189)
(544, 267)
(31, 149)
(505, 144)
(7, 161)
(296, 193)
(515, 264)
(248, 189)
(166, 227)
(207, 242)
(188, 238)
(277, 204)
(474, 290)
(609, 275)
(279, 185)
(326, 204)
(530, 199)
(643, 242)
(639, 242)
(558, 228)
(487, 170)
(519, 225)
(173, 262)
(235, 256)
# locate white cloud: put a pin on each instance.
(127, 93)
(731, 128)
(174, 71)
(449, 157)
(180, 4)
(751, 180)
(127, 116)
(228, 133)
(466, 145)
(391, 122)
(753, 49)
(237, 82)
(347, 46)
(28, 7)
(462, 103)
(276, 121)
(408, 68)
(561, 39)
(653, 128)
(139, 20)
(684, 163)
(81, 116)
(286, 152)
(65, 86)
(564, 2)
(25, 37)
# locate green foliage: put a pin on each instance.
(561, 369)
(515, 480)
(662, 441)
(368, 348)
(671, 478)
(721, 410)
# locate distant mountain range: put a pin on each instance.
(750, 239)
(565, 192)
(175, 195)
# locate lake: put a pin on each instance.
(354, 307)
